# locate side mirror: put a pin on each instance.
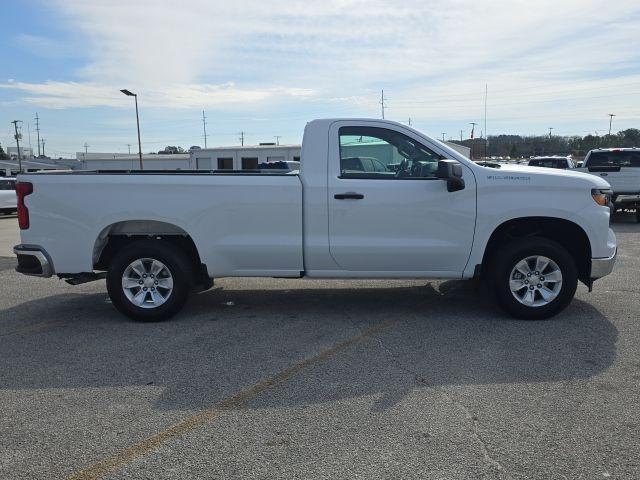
(451, 171)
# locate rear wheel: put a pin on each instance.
(534, 278)
(149, 280)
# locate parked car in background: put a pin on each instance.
(621, 168)
(8, 201)
(552, 162)
(372, 199)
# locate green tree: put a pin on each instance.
(3, 156)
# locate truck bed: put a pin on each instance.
(241, 222)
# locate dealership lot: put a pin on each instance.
(320, 379)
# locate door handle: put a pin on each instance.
(348, 196)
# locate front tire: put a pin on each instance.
(149, 280)
(534, 278)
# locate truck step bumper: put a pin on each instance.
(33, 260)
(601, 267)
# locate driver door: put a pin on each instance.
(388, 212)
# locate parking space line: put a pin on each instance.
(127, 455)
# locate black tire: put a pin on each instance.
(511, 254)
(177, 264)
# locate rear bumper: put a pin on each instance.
(33, 260)
(601, 267)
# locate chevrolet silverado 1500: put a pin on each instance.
(372, 199)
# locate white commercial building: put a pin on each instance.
(125, 161)
(25, 152)
(243, 158)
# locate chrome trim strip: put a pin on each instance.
(40, 255)
(601, 267)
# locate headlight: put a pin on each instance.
(601, 196)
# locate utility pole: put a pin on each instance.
(241, 138)
(38, 130)
(129, 148)
(86, 148)
(43, 154)
(17, 137)
(611, 115)
(382, 105)
(460, 136)
(409, 121)
(204, 128)
(277, 137)
(473, 127)
(443, 134)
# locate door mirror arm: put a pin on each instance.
(451, 171)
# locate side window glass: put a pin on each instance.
(380, 153)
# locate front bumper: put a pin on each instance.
(33, 260)
(601, 267)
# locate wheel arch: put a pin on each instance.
(117, 235)
(565, 232)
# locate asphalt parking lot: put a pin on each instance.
(262, 378)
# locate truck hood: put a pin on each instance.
(551, 176)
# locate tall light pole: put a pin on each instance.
(135, 96)
(611, 115)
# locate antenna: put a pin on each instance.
(204, 128)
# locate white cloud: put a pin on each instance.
(432, 57)
(80, 95)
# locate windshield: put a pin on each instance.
(615, 159)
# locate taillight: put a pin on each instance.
(22, 190)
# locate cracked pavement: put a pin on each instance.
(273, 378)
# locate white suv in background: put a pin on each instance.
(8, 201)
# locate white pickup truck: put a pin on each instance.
(372, 199)
(620, 167)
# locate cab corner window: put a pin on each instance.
(380, 153)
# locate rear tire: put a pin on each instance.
(533, 278)
(149, 280)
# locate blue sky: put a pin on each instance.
(267, 67)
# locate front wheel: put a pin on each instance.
(534, 278)
(149, 280)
